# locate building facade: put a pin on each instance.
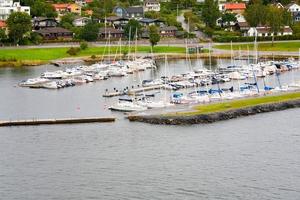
(8, 6)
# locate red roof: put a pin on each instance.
(2, 24)
(88, 1)
(60, 5)
(235, 6)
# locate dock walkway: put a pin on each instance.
(33, 122)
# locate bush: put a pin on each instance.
(73, 51)
(83, 45)
(93, 57)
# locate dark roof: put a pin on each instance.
(135, 9)
(268, 29)
(38, 19)
(116, 18)
(169, 28)
(53, 30)
(243, 24)
(148, 20)
(151, 1)
(109, 30)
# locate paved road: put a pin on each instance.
(170, 42)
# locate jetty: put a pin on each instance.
(34, 122)
(133, 91)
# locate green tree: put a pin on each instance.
(227, 18)
(296, 28)
(3, 35)
(210, 13)
(42, 8)
(152, 14)
(19, 24)
(90, 32)
(67, 20)
(287, 17)
(154, 36)
(131, 28)
(256, 14)
(274, 20)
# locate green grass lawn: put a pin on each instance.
(46, 54)
(242, 103)
(284, 46)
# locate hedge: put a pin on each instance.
(251, 39)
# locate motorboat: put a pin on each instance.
(127, 106)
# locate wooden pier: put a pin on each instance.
(133, 91)
(34, 122)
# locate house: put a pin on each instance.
(278, 5)
(8, 6)
(80, 21)
(88, 12)
(296, 17)
(242, 27)
(168, 31)
(117, 22)
(109, 32)
(151, 5)
(54, 33)
(43, 22)
(237, 8)
(83, 2)
(3, 26)
(293, 7)
(136, 12)
(149, 22)
(263, 31)
(62, 8)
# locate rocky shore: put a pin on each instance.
(215, 117)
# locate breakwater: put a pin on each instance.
(33, 122)
(215, 116)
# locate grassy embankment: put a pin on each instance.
(34, 56)
(237, 104)
(282, 46)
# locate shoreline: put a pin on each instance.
(156, 56)
(205, 118)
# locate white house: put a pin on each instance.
(266, 31)
(151, 5)
(293, 7)
(8, 6)
(81, 21)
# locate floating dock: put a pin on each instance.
(133, 91)
(34, 122)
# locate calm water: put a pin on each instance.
(254, 157)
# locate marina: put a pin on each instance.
(86, 157)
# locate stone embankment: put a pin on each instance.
(181, 119)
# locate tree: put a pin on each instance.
(287, 17)
(131, 28)
(2, 35)
(296, 28)
(67, 20)
(210, 12)
(19, 24)
(255, 14)
(152, 14)
(90, 32)
(274, 20)
(154, 36)
(227, 18)
(42, 8)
